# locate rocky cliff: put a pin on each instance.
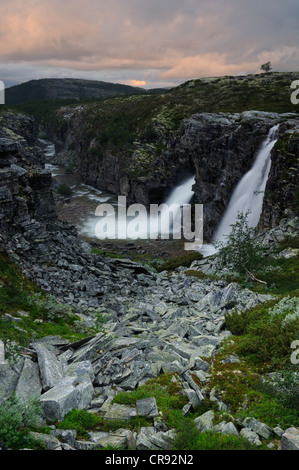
(218, 148)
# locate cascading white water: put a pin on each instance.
(249, 193)
(126, 227)
(182, 194)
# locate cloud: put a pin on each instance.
(138, 83)
(170, 39)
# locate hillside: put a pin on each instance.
(66, 88)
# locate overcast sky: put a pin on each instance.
(147, 43)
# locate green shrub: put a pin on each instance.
(272, 411)
(189, 438)
(64, 190)
(16, 420)
(80, 421)
(167, 394)
(240, 252)
(288, 391)
(181, 261)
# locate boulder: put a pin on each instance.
(50, 442)
(290, 439)
(150, 439)
(250, 436)
(8, 382)
(204, 422)
(147, 408)
(118, 439)
(226, 428)
(29, 384)
(50, 368)
(260, 428)
(72, 392)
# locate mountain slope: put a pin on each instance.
(55, 88)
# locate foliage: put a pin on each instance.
(288, 390)
(287, 310)
(83, 422)
(16, 420)
(191, 439)
(267, 67)
(100, 320)
(185, 261)
(167, 394)
(266, 337)
(80, 421)
(241, 251)
(64, 190)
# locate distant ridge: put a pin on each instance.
(66, 88)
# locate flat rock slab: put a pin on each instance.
(117, 439)
(120, 412)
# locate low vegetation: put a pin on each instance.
(16, 421)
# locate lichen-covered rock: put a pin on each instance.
(290, 439)
(147, 408)
(204, 422)
(8, 382)
(29, 384)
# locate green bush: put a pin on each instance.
(80, 421)
(266, 332)
(240, 252)
(167, 394)
(181, 261)
(189, 438)
(64, 190)
(16, 420)
(288, 391)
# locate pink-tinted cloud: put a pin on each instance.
(168, 39)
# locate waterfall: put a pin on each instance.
(182, 194)
(179, 196)
(249, 193)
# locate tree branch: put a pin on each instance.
(254, 278)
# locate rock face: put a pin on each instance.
(283, 178)
(218, 148)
